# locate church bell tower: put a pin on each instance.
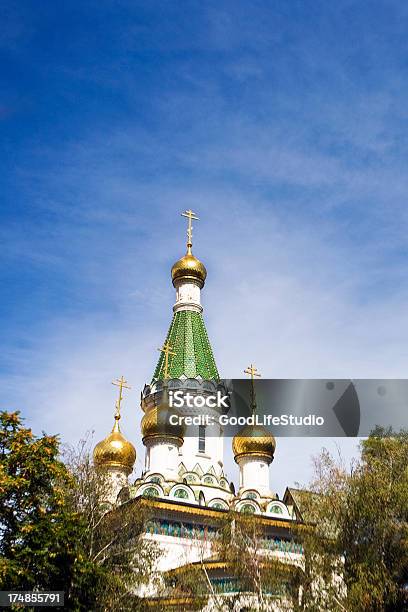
(188, 365)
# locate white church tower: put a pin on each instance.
(185, 462)
(162, 440)
(115, 456)
(190, 364)
(186, 363)
(183, 483)
(254, 448)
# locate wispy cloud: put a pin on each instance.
(285, 130)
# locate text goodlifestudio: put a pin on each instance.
(255, 419)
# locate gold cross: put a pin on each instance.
(167, 350)
(252, 371)
(122, 384)
(190, 216)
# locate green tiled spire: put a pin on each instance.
(189, 340)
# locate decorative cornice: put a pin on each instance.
(159, 602)
(217, 564)
(215, 513)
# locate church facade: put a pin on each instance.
(184, 482)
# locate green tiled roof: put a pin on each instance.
(189, 340)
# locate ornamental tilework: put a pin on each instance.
(189, 340)
(180, 530)
(186, 530)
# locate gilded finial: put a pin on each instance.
(252, 371)
(115, 451)
(122, 384)
(253, 440)
(167, 350)
(190, 216)
(189, 268)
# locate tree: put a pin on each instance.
(55, 532)
(374, 524)
(321, 584)
(356, 545)
(262, 580)
(38, 528)
(239, 571)
(112, 539)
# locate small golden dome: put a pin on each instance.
(189, 267)
(155, 423)
(115, 450)
(254, 440)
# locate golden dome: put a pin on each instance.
(254, 440)
(115, 450)
(155, 423)
(189, 267)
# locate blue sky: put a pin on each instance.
(284, 124)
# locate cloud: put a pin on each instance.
(281, 298)
(284, 130)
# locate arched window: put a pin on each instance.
(251, 495)
(181, 493)
(219, 505)
(208, 480)
(155, 479)
(276, 509)
(150, 492)
(248, 509)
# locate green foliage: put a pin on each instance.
(111, 541)
(37, 528)
(356, 546)
(375, 525)
(267, 578)
(189, 582)
(55, 533)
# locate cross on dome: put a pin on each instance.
(190, 215)
(252, 371)
(122, 383)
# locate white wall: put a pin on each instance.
(162, 456)
(254, 474)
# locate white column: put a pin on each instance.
(254, 474)
(187, 296)
(163, 457)
(116, 479)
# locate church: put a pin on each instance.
(184, 480)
